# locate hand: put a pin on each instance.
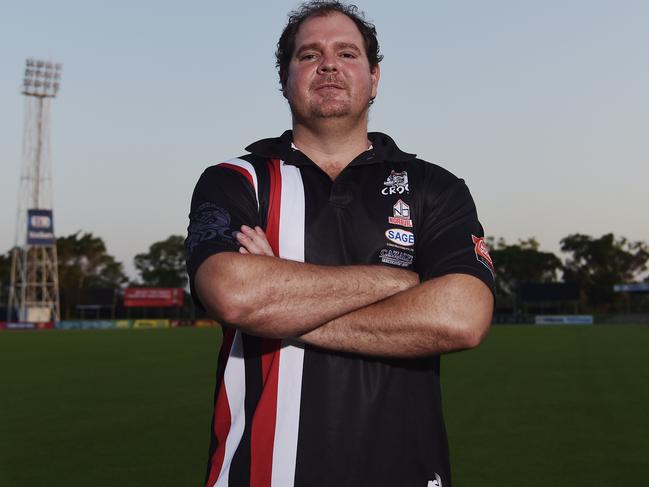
(253, 241)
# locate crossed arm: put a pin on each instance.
(371, 310)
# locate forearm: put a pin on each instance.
(449, 313)
(267, 296)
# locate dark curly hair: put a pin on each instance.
(286, 43)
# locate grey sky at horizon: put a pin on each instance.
(542, 107)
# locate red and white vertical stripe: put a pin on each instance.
(289, 388)
(275, 423)
(234, 385)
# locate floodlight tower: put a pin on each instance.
(34, 291)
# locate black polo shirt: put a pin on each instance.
(289, 414)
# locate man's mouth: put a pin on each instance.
(330, 85)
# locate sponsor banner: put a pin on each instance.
(98, 324)
(85, 324)
(636, 287)
(68, 325)
(26, 325)
(154, 297)
(40, 227)
(181, 323)
(205, 323)
(20, 325)
(563, 320)
(151, 324)
(108, 324)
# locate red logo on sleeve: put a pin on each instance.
(482, 253)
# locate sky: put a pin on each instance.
(542, 107)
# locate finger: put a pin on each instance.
(242, 250)
(249, 244)
(236, 234)
(254, 243)
(264, 241)
(258, 237)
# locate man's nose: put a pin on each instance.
(327, 64)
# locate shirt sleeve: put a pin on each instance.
(451, 239)
(222, 201)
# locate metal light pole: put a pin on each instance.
(34, 291)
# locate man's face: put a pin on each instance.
(329, 74)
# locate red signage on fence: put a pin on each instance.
(153, 297)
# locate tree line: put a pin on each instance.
(594, 264)
(84, 263)
(89, 274)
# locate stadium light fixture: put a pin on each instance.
(42, 78)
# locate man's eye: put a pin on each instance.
(306, 57)
(349, 55)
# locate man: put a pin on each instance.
(341, 267)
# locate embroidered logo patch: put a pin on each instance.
(396, 257)
(396, 183)
(401, 212)
(208, 222)
(400, 237)
(482, 253)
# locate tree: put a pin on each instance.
(5, 275)
(85, 263)
(164, 264)
(597, 264)
(522, 263)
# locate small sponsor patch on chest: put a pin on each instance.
(396, 257)
(396, 183)
(400, 237)
(400, 214)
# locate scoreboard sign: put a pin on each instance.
(40, 227)
(154, 297)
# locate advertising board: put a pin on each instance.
(154, 297)
(563, 320)
(20, 325)
(86, 324)
(151, 324)
(634, 287)
(40, 227)
(205, 323)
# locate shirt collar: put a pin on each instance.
(293, 146)
(383, 149)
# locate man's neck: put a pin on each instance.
(331, 146)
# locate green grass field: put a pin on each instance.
(533, 406)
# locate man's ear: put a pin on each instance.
(375, 74)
